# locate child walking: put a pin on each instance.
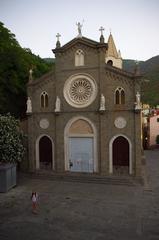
(34, 199)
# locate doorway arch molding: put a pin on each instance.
(66, 140)
(37, 150)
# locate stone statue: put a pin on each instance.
(102, 103)
(29, 105)
(138, 98)
(58, 37)
(58, 104)
(79, 25)
(30, 75)
(138, 101)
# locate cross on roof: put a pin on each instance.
(101, 29)
(58, 36)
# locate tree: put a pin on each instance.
(11, 140)
(15, 63)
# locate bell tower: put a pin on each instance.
(113, 57)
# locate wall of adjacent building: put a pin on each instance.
(153, 129)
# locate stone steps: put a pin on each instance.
(86, 178)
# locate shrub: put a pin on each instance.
(11, 140)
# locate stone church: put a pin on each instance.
(85, 115)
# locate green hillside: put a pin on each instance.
(150, 71)
(15, 63)
(129, 64)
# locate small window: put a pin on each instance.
(79, 58)
(44, 101)
(157, 119)
(119, 96)
(110, 62)
(122, 95)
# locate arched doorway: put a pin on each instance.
(45, 153)
(121, 155)
(80, 146)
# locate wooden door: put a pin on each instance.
(120, 152)
(45, 152)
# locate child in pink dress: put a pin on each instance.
(34, 199)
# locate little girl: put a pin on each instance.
(34, 199)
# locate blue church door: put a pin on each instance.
(81, 154)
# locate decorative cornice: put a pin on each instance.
(122, 72)
(43, 79)
(84, 41)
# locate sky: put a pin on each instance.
(134, 24)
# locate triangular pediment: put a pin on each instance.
(44, 79)
(80, 40)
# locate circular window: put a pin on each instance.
(80, 90)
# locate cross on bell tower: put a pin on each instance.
(101, 29)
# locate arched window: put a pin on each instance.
(44, 100)
(122, 97)
(79, 58)
(119, 96)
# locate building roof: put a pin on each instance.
(81, 40)
(122, 72)
(43, 79)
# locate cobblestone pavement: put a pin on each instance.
(83, 211)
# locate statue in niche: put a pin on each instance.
(58, 104)
(29, 105)
(102, 103)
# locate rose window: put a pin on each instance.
(80, 90)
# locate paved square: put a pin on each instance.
(79, 211)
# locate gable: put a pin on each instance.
(82, 41)
(66, 55)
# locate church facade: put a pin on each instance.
(84, 116)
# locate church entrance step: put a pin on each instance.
(87, 178)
